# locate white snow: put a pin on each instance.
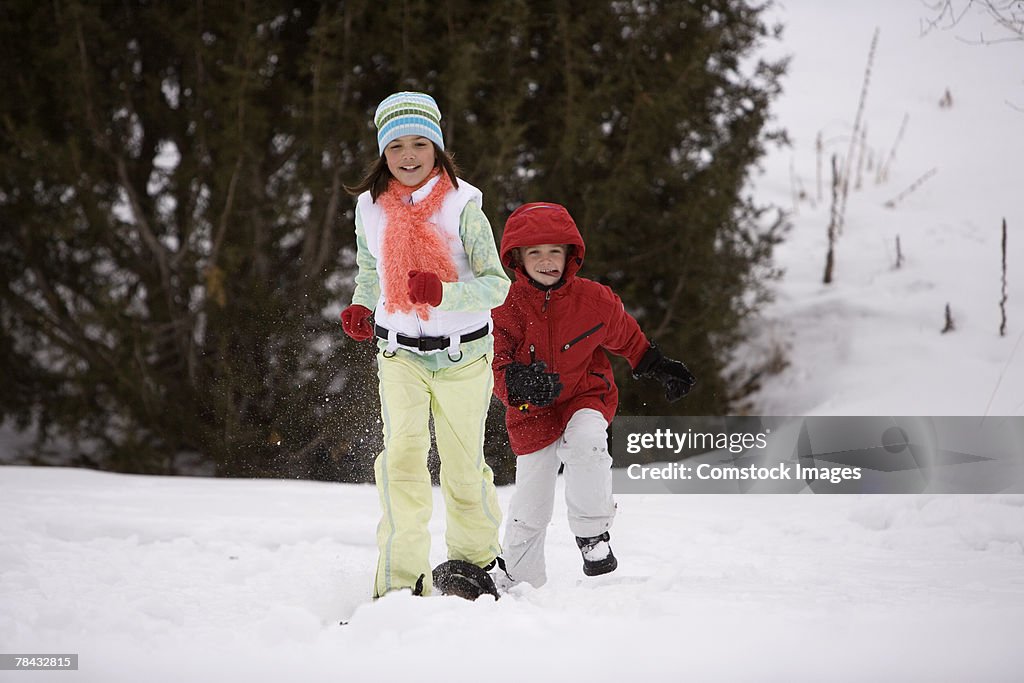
(172, 579)
(192, 579)
(870, 343)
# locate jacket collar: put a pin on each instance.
(556, 289)
(420, 194)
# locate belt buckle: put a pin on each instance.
(423, 343)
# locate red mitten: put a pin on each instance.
(424, 288)
(355, 320)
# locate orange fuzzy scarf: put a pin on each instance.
(411, 242)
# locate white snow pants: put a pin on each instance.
(583, 448)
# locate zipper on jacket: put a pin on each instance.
(583, 336)
(525, 408)
(547, 298)
(551, 333)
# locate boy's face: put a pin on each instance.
(410, 159)
(545, 263)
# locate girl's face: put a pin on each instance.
(410, 159)
(545, 263)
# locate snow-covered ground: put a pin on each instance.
(870, 343)
(177, 579)
(162, 579)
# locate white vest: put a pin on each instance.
(450, 324)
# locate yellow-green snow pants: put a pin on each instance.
(458, 398)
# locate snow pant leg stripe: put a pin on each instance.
(403, 480)
(386, 418)
(486, 401)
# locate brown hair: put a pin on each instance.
(378, 176)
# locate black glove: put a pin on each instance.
(676, 377)
(531, 384)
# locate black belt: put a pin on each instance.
(432, 343)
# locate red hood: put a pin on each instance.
(542, 223)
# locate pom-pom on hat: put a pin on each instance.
(408, 113)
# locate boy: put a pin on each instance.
(551, 370)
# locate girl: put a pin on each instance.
(429, 274)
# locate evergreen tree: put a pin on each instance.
(175, 239)
(646, 120)
(172, 200)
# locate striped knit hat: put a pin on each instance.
(408, 113)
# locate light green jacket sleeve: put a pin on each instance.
(367, 291)
(490, 286)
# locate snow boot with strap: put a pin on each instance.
(597, 554)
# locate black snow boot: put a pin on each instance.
(597, 555)
(456, 577)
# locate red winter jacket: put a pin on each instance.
(569, 326)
